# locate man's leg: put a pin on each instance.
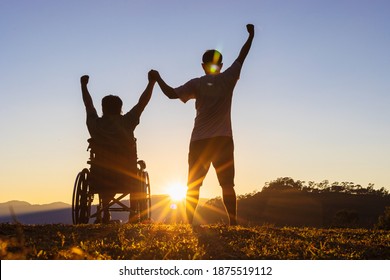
(230, 201)
(134, 207)
(224, 165)
(192, 200)
(135, 195)
(106, 198)
(198, 166)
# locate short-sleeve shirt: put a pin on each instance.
(213, 99)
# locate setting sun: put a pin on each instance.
(177, 191)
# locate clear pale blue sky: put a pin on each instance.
(312, 102)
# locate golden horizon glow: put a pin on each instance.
(177, 191)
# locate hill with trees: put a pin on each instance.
(286, 202)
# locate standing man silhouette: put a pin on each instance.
(212, 137)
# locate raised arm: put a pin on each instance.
(166, 89)
(84, 90)
(146, 95)
(246, 47)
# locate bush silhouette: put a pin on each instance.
(384, 220)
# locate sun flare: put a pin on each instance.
(177, 192)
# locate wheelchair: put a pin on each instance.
(84, 193)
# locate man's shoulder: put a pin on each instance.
(235, 65)
(188, 89)
(233, 72)
(133, 113)
(195, 80)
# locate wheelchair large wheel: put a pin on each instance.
(145, 203)
(82, 200)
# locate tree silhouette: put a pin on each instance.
(289, 202)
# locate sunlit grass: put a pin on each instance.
(180, 241)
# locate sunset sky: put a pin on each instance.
(312, 102)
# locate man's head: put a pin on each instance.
(212, 62)
(112, 105)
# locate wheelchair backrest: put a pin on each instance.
(112, 154)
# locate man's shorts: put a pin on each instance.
(217, 150)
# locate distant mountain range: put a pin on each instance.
(24, 207)
(26, 213)
(163, 210)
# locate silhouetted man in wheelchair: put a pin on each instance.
(114, 166)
